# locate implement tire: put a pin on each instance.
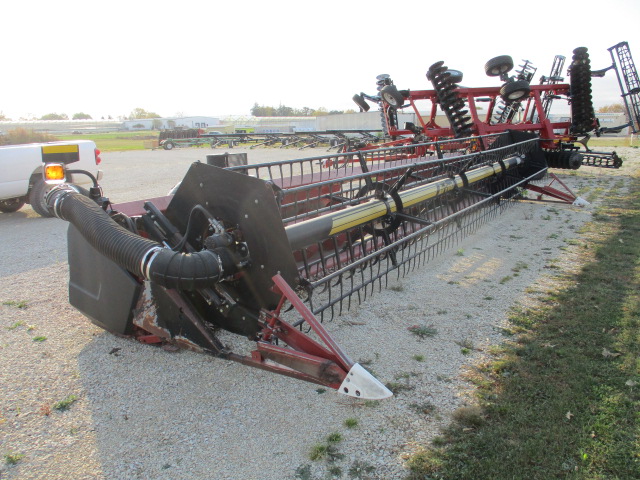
(498, 65)
(514, 91)
(392, 96)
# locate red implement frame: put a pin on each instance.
(566, 196)
(306, 359)
(482, 126)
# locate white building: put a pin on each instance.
(170, 123)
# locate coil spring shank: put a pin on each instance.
(582, 113)
(450, 103)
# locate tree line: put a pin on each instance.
(257, 111)
(136, 113)
(284, 111)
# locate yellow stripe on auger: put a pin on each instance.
(352, 219)
(314, 229)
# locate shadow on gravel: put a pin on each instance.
(29, 242)
(179, 415)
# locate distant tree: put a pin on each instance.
(3, 117)
(139, 113)
(613, 108)
(81, 116)
(283, 111)
(55, 116)
(260, 111)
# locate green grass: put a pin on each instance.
(562, 400)
(613, 142)
(22, 304)
(121, 141)
(351, 422)
(13, 458)
(66, 403)
(423, 331)
(116, 141)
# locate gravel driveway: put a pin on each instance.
(79, 403)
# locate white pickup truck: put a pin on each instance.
(21, 171)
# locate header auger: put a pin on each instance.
(270, 251)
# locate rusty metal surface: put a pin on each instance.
(168, 315)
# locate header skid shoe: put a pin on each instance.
(361, 384)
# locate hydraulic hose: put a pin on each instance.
(140, 256)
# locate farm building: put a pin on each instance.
(170, 123)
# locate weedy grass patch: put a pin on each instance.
(423, 331)
(13, 458)
(66, 403)
(22, 304)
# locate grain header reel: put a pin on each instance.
(269, 252)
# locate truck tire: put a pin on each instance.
(168, 145)
(11, 204)
(37, 198)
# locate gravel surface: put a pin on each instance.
(135, 411)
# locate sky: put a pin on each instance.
(218, 58)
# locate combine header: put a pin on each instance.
(269, 251)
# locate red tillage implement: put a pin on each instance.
(516, 106)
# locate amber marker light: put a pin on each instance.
(54, 173)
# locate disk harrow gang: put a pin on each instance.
(269, 251)
(517, 105)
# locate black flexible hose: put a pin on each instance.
(138, 255)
